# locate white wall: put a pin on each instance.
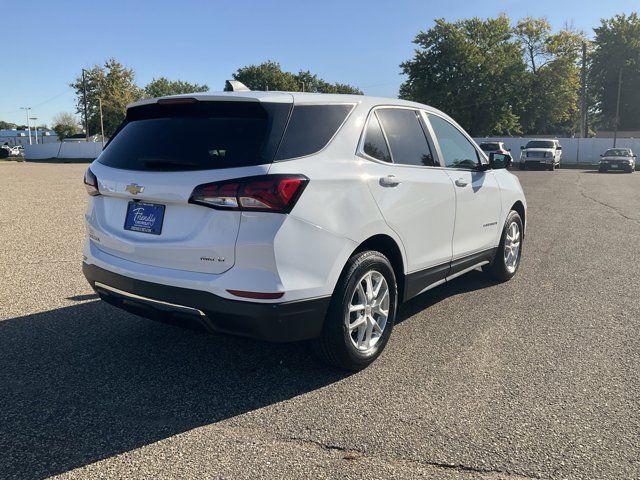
(574, 150)
(63, 150)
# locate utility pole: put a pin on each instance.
(35, 127)
(26, 109)
(101, 122)
(84, 100)
(617, 119)
(583, 93)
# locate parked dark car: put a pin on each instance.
(618, 159)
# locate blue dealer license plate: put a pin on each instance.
(144, 217)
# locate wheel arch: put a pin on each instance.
(519, 207)
(389, 248)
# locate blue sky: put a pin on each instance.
(358, 42)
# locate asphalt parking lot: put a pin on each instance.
(535, 378)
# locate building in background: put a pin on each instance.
(21, 137)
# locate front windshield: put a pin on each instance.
(540, 144)
(617, 152)
(490, 146)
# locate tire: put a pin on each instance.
(551, 167)
(351, 349)
(601, 170)
(499, 269)
(523, 166)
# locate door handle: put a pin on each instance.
(389, 181)
(461, 182)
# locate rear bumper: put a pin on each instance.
(275, 322)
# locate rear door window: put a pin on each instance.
(197, 136)
(375, 144)
(406, 136)
(310, 129)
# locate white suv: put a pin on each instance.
(292, 216)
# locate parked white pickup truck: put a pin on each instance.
(543, 153)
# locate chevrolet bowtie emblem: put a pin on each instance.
(134, 188)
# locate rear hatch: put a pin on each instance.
(160, 153)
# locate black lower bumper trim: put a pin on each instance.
(275, 322)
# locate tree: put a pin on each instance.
(310, 82)
(160, 87)
(114, 84)
(471, 69)
(7, 125)
(65, 124)
(269, 76)
(266, 76)
(553, 78)
(616, 48)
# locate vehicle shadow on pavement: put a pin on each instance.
(89, 381)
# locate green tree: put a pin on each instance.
(115, 85)
(617, 47)
(160, 87)
(270, 76)
(7, 125)
(552, 81)
(471, 69)
(310, 82)
(65, 124)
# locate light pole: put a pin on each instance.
(617, 119)
(84, 101)
(35, 127)
(26, 109)
(101, 123)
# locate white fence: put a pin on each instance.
(585, 151)
(62, 150)
(574, 150)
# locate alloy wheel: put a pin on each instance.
(368, 311)
(512, 247)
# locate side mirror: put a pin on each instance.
(559, 147)
(508, 149)
(602, 155)
(521, 147)
(499, 160)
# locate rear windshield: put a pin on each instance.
(541, 144)
(489, 146)
(197, 136)
(212, 135)
(617, 152)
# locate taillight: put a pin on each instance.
(263, 193)
(91, 183)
